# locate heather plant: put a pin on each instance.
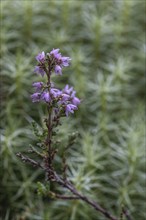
(59, 103)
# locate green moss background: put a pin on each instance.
(106, 41)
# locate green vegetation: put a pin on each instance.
(105, 40)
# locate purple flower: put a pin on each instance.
(46, 96)
(58, 58)
(75, 101)
(55, 92)
(69, 108)
(67, 90)
(59, 61)
(38, 85)
(65, 97)
(39, 70)
(55, 53)
(65, 61)
(35, 97)
(58, 70)
(73, 93)
(40, 57)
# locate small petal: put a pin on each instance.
(67, 90)
(65, 61)
(35, 97)
(46, 96)
(38, 85)
(39, 70)
(58, 57)
(40, 57)
(54, 52)
(69, 108)
(73, 94)
(65, 97)
(55, 92)
(76, 101)
(58, 70)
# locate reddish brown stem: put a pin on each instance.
(49, 159)
(54, 177)
(94, 204)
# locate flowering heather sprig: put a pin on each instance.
(59, 103)
(65, 100)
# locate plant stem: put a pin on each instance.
(54, 177)
(94, 204)
(29, 160)
(48, 160)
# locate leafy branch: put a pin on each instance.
(59, 103)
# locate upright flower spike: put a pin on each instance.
(62, 101)
(59, 103)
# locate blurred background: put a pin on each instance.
(105, 40)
